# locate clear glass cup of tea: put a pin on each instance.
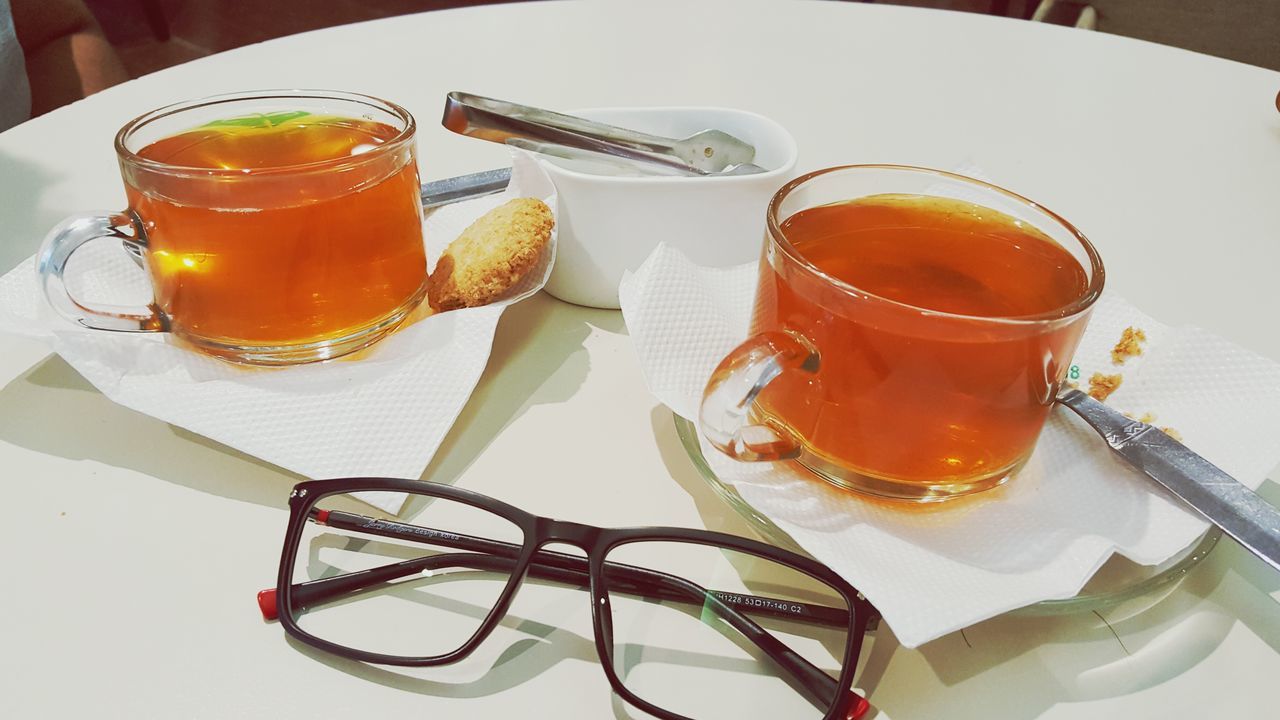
(911, 330)
(276, 227)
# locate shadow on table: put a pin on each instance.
(519, 662)
(51, 409)
(26, 219)
(538, 358)
(716, 514)
(543, 629)
(1055, 659)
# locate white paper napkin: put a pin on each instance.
(938, 569)
(383, 413)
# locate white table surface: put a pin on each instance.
(133, 549)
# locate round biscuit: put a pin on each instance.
(492, 255)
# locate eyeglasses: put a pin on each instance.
(687, 623)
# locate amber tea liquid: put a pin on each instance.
(297, 247)
(920, 390)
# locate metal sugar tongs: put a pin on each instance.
(708, 153)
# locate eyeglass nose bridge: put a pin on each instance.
(583, 537)
(588, 539)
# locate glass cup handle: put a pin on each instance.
(58, 247)
(737, 381)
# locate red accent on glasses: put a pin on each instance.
(267, 603)
(267, 598)
(858, 707)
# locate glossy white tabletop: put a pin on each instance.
(133, 549)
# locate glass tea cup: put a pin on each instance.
(911, 330)
(276, 227)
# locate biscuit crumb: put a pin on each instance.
(1130, 345)
(1147, 417)
(1172, 433)
(1101, 386)
(493, 255)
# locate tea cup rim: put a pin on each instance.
(130, 157)
(1073, 309)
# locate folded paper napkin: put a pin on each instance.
(937, 569)
(383, 412)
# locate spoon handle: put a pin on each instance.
(464, 187)
(1241, 513)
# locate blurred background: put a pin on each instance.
(154, 34)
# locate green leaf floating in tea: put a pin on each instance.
(259, 120)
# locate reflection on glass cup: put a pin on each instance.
(275, 227)
(910, 332)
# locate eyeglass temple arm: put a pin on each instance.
(573, 570)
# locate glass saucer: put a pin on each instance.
(1119, 581)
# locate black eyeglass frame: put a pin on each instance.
(597, 542)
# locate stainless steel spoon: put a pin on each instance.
(1220, 498)
(710, 152)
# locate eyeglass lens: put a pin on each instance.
(429, 596)
(684, 653)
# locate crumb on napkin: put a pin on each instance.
(1101, 386)
(1130, 345)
